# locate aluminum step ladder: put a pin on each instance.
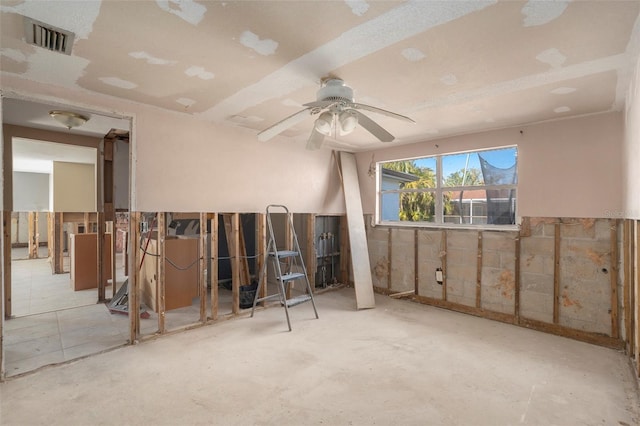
(288, 267)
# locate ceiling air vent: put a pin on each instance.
(48, 36)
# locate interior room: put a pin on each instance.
(368, 212)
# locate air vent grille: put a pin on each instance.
(47, 36)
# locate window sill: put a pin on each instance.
(436, 226)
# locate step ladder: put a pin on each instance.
(288, 267)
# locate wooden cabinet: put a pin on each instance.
(83, 256)
(181, 273)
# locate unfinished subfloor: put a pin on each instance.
(401, 363)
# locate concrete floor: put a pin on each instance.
(401, 363)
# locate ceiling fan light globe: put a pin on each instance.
(348, 121)
(323, 123)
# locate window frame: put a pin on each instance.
(439, 190)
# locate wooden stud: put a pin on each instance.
(6, 271)
(443, 258)
(2, 308)
(32, 230)
(632, 274)
(214, 266)
(235, 270)
(310, 262)
(479, 272)
(344, 251)
(615, 325)
(161, 268)
(101, 267)
(114, 238)
(556, 273)
(86, 223)
(416, 265)
(389, 254)
(51, 239)
(134, 277)
(626, 294)
(288, 245)
(245, 274)
(203, 267)
(516, 293)
(261, 247)
(636, 294)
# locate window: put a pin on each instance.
(469, 188)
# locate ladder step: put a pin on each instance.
(298, 300)
(291, 276)
(283, 253)
(273, 296)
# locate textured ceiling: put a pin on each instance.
(452, 66)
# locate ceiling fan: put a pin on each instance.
(338, 114)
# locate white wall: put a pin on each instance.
(631, 151)
(74, 187)
(30, 192)
(566, 168)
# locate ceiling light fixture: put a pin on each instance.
(324, 122)
(348, 121)
(68, 119)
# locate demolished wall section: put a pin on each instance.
(555, 274)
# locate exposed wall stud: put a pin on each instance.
(310, 247)
(345, 253)
(202, 255)
(615, 325)
(443, 259)
(389, 254)
(416, 258)
(234, 251)
(556, 273)
(516, 293)
(479, 272)
(134, 277)
(214, 265)
(161, 266)
(101, 268)
(626, 293)
(261, 247)
(6, 271)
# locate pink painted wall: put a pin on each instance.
(183, 164)
(631, 150)
(567, 168)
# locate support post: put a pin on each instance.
(556, 273)
(134, 277)
(626, 293)
(615, 325)
(101, 267)
(443, 258)
(345, 254)
(235, 247)
(214, 266)
(202, 255)
(6, 271)
(479, 272)
(389, 254)
(311, 250)
(59, 242)
(516, 293)
(32, 235)
(160, 291)
(262, 250)
(416, 258)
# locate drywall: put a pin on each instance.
(20, 227)
(631, 151)
(566, 168)
(184, 164)
(74, 187)
(30, 192)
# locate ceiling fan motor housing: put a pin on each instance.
(335, 90)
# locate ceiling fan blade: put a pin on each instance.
(320, 104)
(374, 128)
(283, 125)
(315, 140)
(381, 111)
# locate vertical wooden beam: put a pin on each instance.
(101, 267)
(615, 325)
(556, 273)
(203, 267)
(160, 291)
(516, 293)
(51, 239)
(310, 263)
(235, 271)
(32, 230)
(134, 277)
(214, 266)
(626, 294)
(632, 295)
(636, 295)
(59, 242)
(262, 250)
(288, 243)
(6, 270)
(114, 235)
(443, 258)
(344, 251)
(245, 275)
(2, 306)
(479, 272)
(86, 223)
(389, 254)
(416, 262)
